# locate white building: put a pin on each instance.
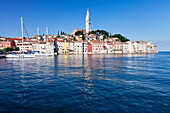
(78, 47)
(85, 47)
(151, 48)
(71, 47)
(143, 46)
(110, 47)
(137, 47)
(131, 46)
(44, 47)
(59, 46)
(125, 47)
(98, 47)
(118, 47)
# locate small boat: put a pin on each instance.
(20, 56)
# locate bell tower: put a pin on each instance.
(87, 21)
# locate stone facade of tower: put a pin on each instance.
(87, 21)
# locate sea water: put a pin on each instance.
(86, 83)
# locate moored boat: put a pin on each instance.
(21, 54)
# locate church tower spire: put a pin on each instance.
(87, 21)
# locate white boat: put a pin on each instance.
(21, 55)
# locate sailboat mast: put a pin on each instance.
(22, 30)
(47, 30)
(38, 32)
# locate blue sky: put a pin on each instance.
(147, 20)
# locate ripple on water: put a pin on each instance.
(86, 83)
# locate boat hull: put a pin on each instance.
(20, 56)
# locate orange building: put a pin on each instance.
(6, 42)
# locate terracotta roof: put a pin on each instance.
(13, 39)
(59, 41)
(79, 29)
(109, 44)
(97, 41)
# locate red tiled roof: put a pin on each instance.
(13, 39)
(109, 44)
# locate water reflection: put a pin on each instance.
(29, 72)
(83, 82)
(80, 71)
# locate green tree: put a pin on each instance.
(83, 38)
(58, 34)
(78, 33)
(64, 39)
(1, 51)
(16, 48)
(121, 38)
(9, 49)
(92, 32)
(97, 36)
(104, 37)
(100, 32)
(4, 49)
(74, 38)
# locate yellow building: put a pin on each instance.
(65, 47)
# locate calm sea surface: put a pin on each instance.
(89, 83)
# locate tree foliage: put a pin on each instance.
(62, 33)
(78, 33)
(100, 32)
(9, 49)
(16, 48)
(121, 38)
(58, 34)
(83, 38)
(74, 38)
(1, 51)
(64, 39)
(4, 49)
(104, 37)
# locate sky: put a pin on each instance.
(147, 20)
